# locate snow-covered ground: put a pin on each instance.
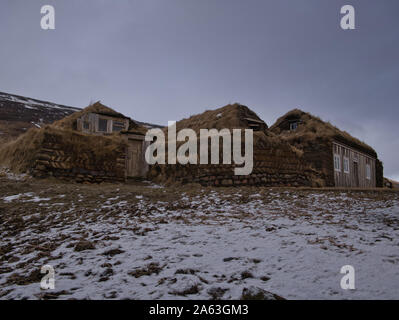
(149, 242)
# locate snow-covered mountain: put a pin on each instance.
(18, 114)
(17, 108)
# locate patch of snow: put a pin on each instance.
(30, 107)
(37, 199)
(272, 242)
(25, 195)
(12, 198)
(12, 176)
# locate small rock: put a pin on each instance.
(84, 245)
(246, 275)
(216, 292)
(113, 252)
(255, 293)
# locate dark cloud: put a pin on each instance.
(165, 60)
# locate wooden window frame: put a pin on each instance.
(346, 161)
(99, 126)
(338, 169)
(84, 125)
(119, 124)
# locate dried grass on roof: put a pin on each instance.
(232, 116)
(69, 122)
(19, 155)
(312, 128)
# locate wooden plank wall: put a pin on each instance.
(343, 179)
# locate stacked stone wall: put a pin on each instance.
(272, 167)
(58, 158)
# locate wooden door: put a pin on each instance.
(356, 174)
(134, 155)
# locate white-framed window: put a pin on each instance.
(346, 165)
(293, 126)
(368, 172)
(337, 162)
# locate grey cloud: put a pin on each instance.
(164, 60)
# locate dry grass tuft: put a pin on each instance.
(19, 155)
(70, 121)
(234, 116)
(311, 129)
(231, 116)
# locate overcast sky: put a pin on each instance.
(160, 60)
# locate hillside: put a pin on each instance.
(389, 183)
(18, 114)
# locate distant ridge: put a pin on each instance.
(19, 113)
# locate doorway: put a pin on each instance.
(134, 158)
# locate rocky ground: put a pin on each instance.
(144, 241)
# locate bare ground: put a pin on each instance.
(144, 241)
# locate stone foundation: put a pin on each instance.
(271, 168)
(56, 158)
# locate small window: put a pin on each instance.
(117, 126)
(293, 126)
(368, 172)
(346, 165)
(337, 162)
(86, 125)
(102, 125)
